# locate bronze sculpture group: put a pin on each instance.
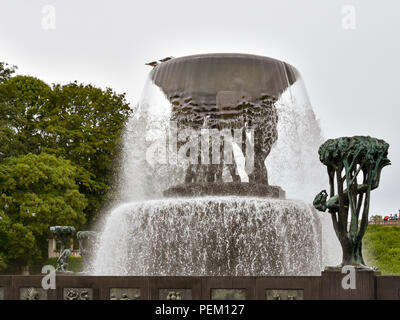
(354, 166)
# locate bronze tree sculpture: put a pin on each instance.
(354, 167)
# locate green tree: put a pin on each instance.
(23, 104)
(36, 192)
(5, 71)
(84, 124)
(77, 122)
(18, 245)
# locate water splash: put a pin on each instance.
(211, 236)
(293, 163)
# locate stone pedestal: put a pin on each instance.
(369, 286)
(244, 189)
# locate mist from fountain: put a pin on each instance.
(248, 236)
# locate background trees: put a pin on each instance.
(38, 191)
(23, 102)
(6, 71)
(57, 147)
(84, 124)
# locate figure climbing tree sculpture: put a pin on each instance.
(354, 168)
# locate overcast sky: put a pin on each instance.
(350, 66)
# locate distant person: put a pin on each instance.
(386, 218)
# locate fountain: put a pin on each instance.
(194, 194)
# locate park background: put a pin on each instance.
(350, 69)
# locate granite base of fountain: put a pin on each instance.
(245, 189)
(369, 286)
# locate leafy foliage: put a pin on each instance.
(22, 106)
(6, 71)
(76, 122)
(83, 124)
(57, 148)
(37, 191)
(17, 243)
(381, 246)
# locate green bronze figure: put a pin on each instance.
(354, 167)
(63, 235)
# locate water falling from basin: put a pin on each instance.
(211, 236)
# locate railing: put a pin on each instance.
(74, 253)
(385, 223)
(53, 252)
